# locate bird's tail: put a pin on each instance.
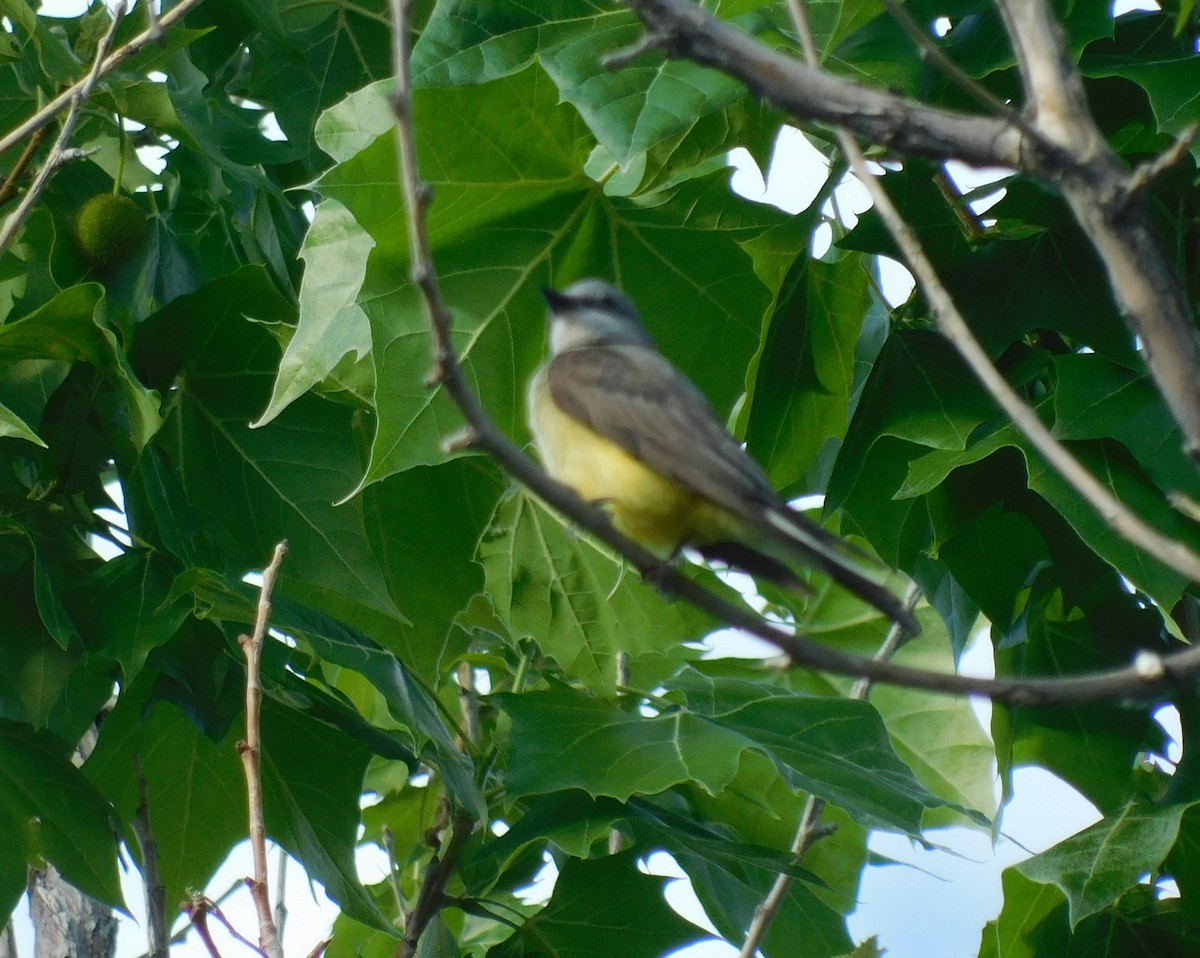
(821, 549)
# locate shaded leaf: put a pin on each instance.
(601, 907)
(52, 813)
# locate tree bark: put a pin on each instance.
(67, 922)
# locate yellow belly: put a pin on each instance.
(651, 510)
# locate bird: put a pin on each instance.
(615, 421)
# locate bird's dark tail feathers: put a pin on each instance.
(813, 546)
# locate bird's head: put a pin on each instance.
(593, 312)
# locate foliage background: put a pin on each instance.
(250, 375)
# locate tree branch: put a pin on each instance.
(810, 829)
(109, 63)
(1107, 203)
(1068, 152)
(685, 30)
(59, 153)
(158, 939)
(1152, 677)
(433, 889)
(251, 753)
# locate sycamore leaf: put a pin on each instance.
(1097, 866)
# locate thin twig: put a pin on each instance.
(389, 846)
(810, 829)
(210, 907)
(281, 911)
(158, 939)
(433, 889)
(417, 196)
(1125, 521)
(251, 752)
(953, 72)
(58, 152)
(8, 189)
(1125, 682)
(468, 698)
(1069, 153)
(197, 912)
(1145, 174)
(110, 63)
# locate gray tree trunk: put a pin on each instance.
(67, 923)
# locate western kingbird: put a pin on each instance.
(620, 425)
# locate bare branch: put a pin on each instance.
(433, 889)
(686, 30)
(1068, 152)
(158, 939)
(8, 941)
(389, 846)
(810, 829)
(1126, 682)
(1106, 204)
(952, 325)
(1148, 172)
(109, 63)
(58, 154)
(8, 189)
(251, 752)
(281, 910)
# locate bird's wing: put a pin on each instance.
(634, 397)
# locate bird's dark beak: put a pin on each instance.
(558, 302)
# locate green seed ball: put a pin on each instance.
(110, 230)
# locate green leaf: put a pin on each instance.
(1148, 52)
(836, 749)
(312, 783)
(919, 391)
(597, 608)
(939, 737)
(1027, 904)
(127, 613)
(194, 786)
(805, 926)
(993, 561)
(527, 199)
(1097, 866)
(71, 327)
(630, 111)
(309, 56)
(253, 487)
(12, 425)
(799, 405)
(465, 43)
(1034, 923)
(52, 813)
(605, 906)
(408, 700)
(1095, 398)
(425, 525)
(331, 325)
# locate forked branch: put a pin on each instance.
(1151, 676)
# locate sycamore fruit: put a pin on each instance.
(110, 230)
